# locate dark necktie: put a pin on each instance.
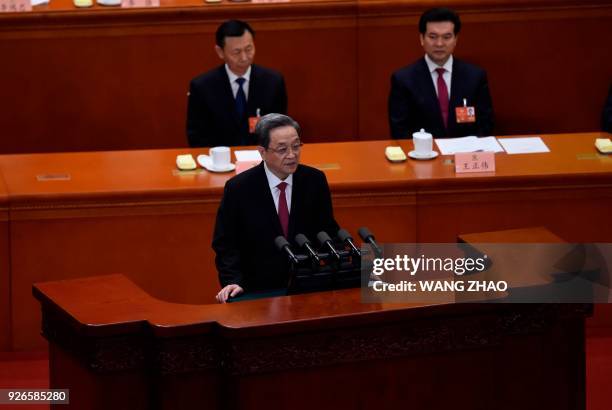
(241, 101)
(443, 95)
(283, 209)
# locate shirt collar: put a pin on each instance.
(448, 66)
(233, 77)
(273, 180)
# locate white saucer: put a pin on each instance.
(429, 155)
(206, 162)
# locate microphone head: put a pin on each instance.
(344, 235)
(364, 233)
(280, 242)
(323, 237)
(301, 240)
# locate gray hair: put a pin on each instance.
(271, 121)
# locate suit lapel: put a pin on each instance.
(252, 100)
(297, 201)
(227, 96)
(457, 95)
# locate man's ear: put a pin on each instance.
(422, 38)
(219, 52)
(262, 152)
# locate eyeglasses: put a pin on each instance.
(284, 150)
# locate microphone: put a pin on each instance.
(303, 242)
(367, 236)
(325, 240)
(348, 239)
(282, 245)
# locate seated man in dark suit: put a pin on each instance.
(277, 197)
(606, 115)
(432, 91)
(222, 101)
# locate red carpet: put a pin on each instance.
(22, 371)
(599, 372)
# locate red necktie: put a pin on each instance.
(443, 95)
(283, 209)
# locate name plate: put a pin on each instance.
(139, 3)
(474, 162)
(15, 6)
(53, 177)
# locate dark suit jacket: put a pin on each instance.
(413, 103)
(212, 119)
(247, 224)
(606, 115)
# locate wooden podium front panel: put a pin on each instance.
(494, 377)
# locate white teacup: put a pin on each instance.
(423, 142)
(220, 157)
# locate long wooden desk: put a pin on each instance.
(82, 214)
(114, 346)
(107, 79)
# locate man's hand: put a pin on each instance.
(228, 292)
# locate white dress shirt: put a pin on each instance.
(448, 66)
(273, 181)
(234, 84)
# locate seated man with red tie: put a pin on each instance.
(442, 94)
(278, 197)
(223, 103)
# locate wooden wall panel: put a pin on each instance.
(117, 79)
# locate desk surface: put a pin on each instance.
(152, 173)
(251, 7)
(114, 299)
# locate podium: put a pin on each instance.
(116, 347)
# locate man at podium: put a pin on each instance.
(278, 197)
